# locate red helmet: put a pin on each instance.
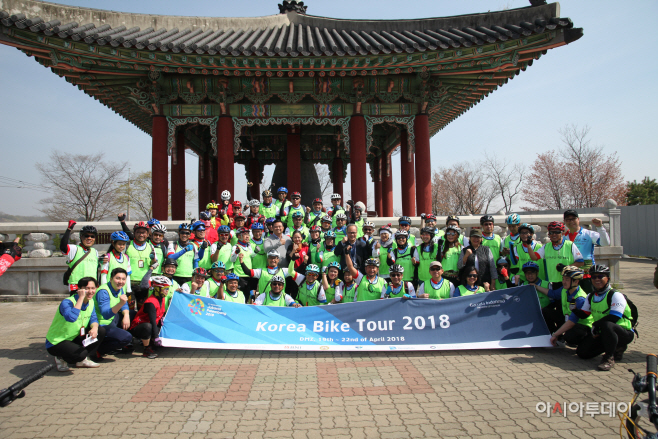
(242, 230)
(237, 203)
(295, 194)
(200, 271)
(430, 217)
(315, 229)
(556, 225)
(239, 215)
(141, 225)
(317, 200)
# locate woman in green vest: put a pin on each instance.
(232, 293)
(217, 273)
(436, 287)
(331, 284)
(469, 283)
(428, 252)
(381, 248)
(327, 255)
(503, 279)
(310, 292)
(116, 258)
(185, 254)
(244, 251)
(275, 295)
(449, 254)
(404, 254)
(348, 291)
(315, 245)
(74, 322)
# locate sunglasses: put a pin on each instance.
(296, 198)
(450, 234)
(554, 232)
(88, 237)
(396, 275)
(598, 276)
(472, 276)
(276, 284)
(436, 269)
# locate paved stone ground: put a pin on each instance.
(242, 394)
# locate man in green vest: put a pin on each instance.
(370, 286)
(314, 216)
(267, 208)
(557, 254)
(232, 293)
(275, 296)
(436, 287)
(612, 321)
(489, 238)
(221, 250)
(578, 322)
(310, 293)
(82, 259)
(113, 313)
(142, 257)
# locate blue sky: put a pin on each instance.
(605, 80)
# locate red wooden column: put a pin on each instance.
(387, 186)
(408, 184)
(358, 159)
(178, 178)
(337, 176)
(204, 178)
(254, 177)
(159, 169)
(212, 180)
(225, 156)
(377, 171)
(423, 165)
(294, 159)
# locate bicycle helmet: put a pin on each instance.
(183, 227)
(218, 264)
(89, 229)
(273, 254)
(199, 225)
(530, 265)
(556, 225)
(368, 224)
(226, 195)
(241, 230)
(159, 228)
(161, 281)
(329, 234)
(295, 195)
(572, 272)
(270, 220)
(513, 219)
(334, 264)
(205, 215)
(396, 268)
(317, 200)
(223, 230)
(237, 205)
(315, 229)
(140, 225)
(454, 228)
(401, 233)
(385, 229)
(428, 230)
(452, 218)
(404, 220)
(282, 189)
(257, 226)
(430, 217)
(152, 222)
(239, 215)
(119, 236)
(325, 219)
(486, 219)
(213, 205)
(527, 227)
(359, 206)
(372, 261)
(599, 269)
(341, 216)
(502, 261)
(336, 197)
(312, 268)
(200, 272)
(297, 214)
(231, 276)
(254, 203)
(267, 193)
(277, 279)
(170, 261)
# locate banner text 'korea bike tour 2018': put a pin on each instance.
(509, 318)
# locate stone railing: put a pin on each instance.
(38, 276)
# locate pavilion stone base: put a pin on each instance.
(310, 182)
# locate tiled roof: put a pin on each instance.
(288, 34)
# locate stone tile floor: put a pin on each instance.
(189, 393)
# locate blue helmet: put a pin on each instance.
(119, 236)
(223, 229)
(297, 214)
(152, 222)
(270, 220)
(282, 189)
(198, 226)
(312, 268)
(184, 226)
(334, 264)
(530, 265)
(257, 226)
(205, 215)
(218, 264)
(513, 219)
(231, 276)
(329, 234)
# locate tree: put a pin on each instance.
(139, 196)
(461, 189)
(579, 175)
(645, 192)
(507, 179)
(83, 186)
(324, 176)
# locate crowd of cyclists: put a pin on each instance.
(277, 252)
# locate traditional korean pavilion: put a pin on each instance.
(286, 88)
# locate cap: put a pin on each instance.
(436, 264)
(475, 233)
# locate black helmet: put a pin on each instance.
(599, 269)
(486, 219)
(170, 261)
(89, 229)
(452, 218)
(427, 230)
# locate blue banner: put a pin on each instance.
(508, 318)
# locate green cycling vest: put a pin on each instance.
(349, 293)
(328, 257)
(137, 258)
(494, 246)
(268, 212)
(601, 309)
(185, 262)
(87, 268)
(237, 266)
(331, 292)
(425, 259)
(213, 288)
(524, 257)
(384, 269)
(160, 256)
(400, 293)
(466, 292)
(224, 256)
(359, 228)
(205, 261)
(259, 258)
(291, 210)
(170, 293)
(114, 263)
(264, 281)
(442, 292)
(238, 299)
(281, 301)
(405, 261)
(60, 330)
(102, 321)
(566, 310)
(451, 261)
(368, 291)
(554, 257)
(203, 292)
(309, 297)
(543, 298)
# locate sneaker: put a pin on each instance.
(62, 366)
(149, 353)
(607, 362)
(560, 343)
(619, 353)
(86, 363)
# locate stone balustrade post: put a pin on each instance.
(614, 215)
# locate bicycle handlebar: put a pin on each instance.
(652, 364)
(8, 395)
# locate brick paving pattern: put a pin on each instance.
(188, 393)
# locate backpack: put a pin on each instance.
(634, 313)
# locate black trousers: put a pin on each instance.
(612, 336)
(115, 337)
(143, 331)
(73, 351)
(575, 335)
(246, 284)
(553, 315)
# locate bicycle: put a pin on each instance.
(10, 394)
(642, 409)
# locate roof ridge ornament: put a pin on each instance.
(292, 6)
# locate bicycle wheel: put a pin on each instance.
(635, 426)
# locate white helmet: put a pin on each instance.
(226, 195)
(254, 203)
(273, 254)
(341, 216)
(336, 197)
(161, 281)
(368, 224)
(159, 228)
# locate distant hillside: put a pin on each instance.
(6, 218)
